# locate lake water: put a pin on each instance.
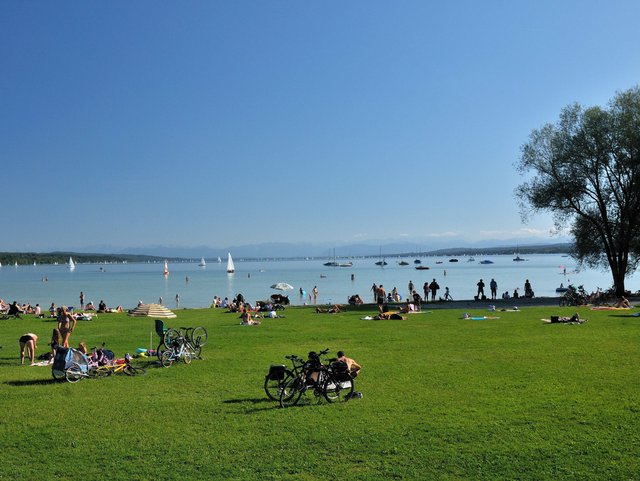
(126, 284)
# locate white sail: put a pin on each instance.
(71, 266)
(230, 267)
(202, 263)
(166, 267)
(219, 260)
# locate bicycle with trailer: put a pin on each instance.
(73, 365)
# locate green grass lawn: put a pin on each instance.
(443, 399)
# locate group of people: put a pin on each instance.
(14, 309)
(60, 336)
(493, 287)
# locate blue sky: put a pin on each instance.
(234, 122)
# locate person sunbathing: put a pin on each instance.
(247, 320)
(623, 303)
(332, 310)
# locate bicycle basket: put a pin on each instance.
(276, 372)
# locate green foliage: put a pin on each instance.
(444, 399)
(586, 172)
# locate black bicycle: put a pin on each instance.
(279, 375)
(332, 382)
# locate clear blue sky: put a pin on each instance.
(238, 122)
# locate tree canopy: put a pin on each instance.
(585, 170)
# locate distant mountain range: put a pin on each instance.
(293, 250)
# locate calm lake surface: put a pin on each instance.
(126, 284)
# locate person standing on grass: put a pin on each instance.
(374, 289)
(315, 294)
(493, 285)
(81, 300)
(66, 324)
(425, 288)
(381, 296)
(28, 342)
(434, 286)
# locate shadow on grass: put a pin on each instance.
(32, 382)
(257, 404)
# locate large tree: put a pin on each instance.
(585, 170)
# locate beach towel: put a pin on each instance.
(609, 308)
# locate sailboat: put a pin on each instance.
(230, 267)
(219, 260)
(335, 263)
(71, 264)
(166, 268)
(381, 262)
(202, 263)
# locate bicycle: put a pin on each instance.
(179, 350)
(76, 371)
(279, 375)
(329, 381)
(196, 338)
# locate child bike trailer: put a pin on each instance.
(66, 358)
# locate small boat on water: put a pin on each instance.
(486, 261)
(231, 268)
(471, 259)
(403, 263)
(422, 268)
(381, 263)
(562, 289)
(417, 261)
(219, 260)
(517, 258)
(71, 264)
(166, 268)
(335, 263)
(202, 263)
(438, 262)
(453, 260)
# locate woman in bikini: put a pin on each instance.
(28, 342)
(66, 325)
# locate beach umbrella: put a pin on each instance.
(152, 310)
(282, 286)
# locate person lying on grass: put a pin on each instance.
(332, 310)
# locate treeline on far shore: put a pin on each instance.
(28, 258)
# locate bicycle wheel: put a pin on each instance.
(337, 389)
(292, 391)
(199, 333)
(167, 358)
(273, 387)
(196, 350)
(74, 373)
(161, 348)
(186, 356)
(170, 336)
(130, 370)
